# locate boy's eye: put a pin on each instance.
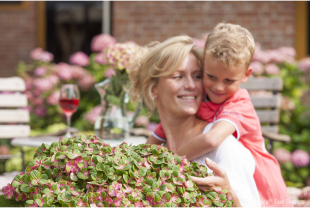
(230, 81)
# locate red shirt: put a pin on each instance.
(240, 111)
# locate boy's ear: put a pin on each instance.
(247, 75)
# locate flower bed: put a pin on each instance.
(85, 171)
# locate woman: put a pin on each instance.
(169, 79)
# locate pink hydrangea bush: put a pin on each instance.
(85, 171)
(300, 158)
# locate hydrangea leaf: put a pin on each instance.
(24, 188)
(35, 175)
(142, 171)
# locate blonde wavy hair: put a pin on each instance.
(158, 60)
(231, 44)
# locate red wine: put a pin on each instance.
(69, 106)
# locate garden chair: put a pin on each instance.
(267, 107)
(13, 118)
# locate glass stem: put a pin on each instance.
(68, 134)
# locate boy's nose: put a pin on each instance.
(218, 87)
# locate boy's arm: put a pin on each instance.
(207, 142)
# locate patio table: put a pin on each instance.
(37, 141)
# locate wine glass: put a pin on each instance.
(69, 102)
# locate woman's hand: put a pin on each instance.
(219, 179)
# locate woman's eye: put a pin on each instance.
(197, 77)
(177, 77)
(210, 76)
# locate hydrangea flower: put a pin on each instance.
(79, 58)
(101, 42)
(300, 158)
(40, 55)
(282, 155)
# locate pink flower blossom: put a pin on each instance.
(37, 101)
(53, 79)
(79, 58)
(257, 67)
(29, 95)
(64, 71)
(53, 99)
(142, 121)
(109, 73)
(43, 84)
(78, 72)
(28, 82)
(86, 82)
(260, 55)
(92, 115)
(40, 111)
(282, 155)
(304, 64)
(100, 59)
(272, 69)
(40, 71)
(300, 158)
(101, 42)
(40, 55)
(37, 92)
(288, 51)
(8, 191)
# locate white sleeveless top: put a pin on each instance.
(239, 165)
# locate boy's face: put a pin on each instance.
(221, 82)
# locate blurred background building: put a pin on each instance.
(63, 28)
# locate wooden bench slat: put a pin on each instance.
(268, 116)
(277, 137)
(13, 100)
(273, 83)
(12, 84)
(11, 131)
(260, 101)
(270, 129)
(12, 116)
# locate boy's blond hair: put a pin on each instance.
(161, 59)
(231, 44)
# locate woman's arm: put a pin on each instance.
(219, 179)
(153, 140)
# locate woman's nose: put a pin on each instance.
(189, 84)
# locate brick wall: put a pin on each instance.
(271, 23)
(18, 37)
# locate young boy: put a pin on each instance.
(227, 55)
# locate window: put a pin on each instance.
(70, 27)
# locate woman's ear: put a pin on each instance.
(154, 92)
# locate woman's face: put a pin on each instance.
(181, 92)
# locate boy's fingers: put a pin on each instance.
(216, 169)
